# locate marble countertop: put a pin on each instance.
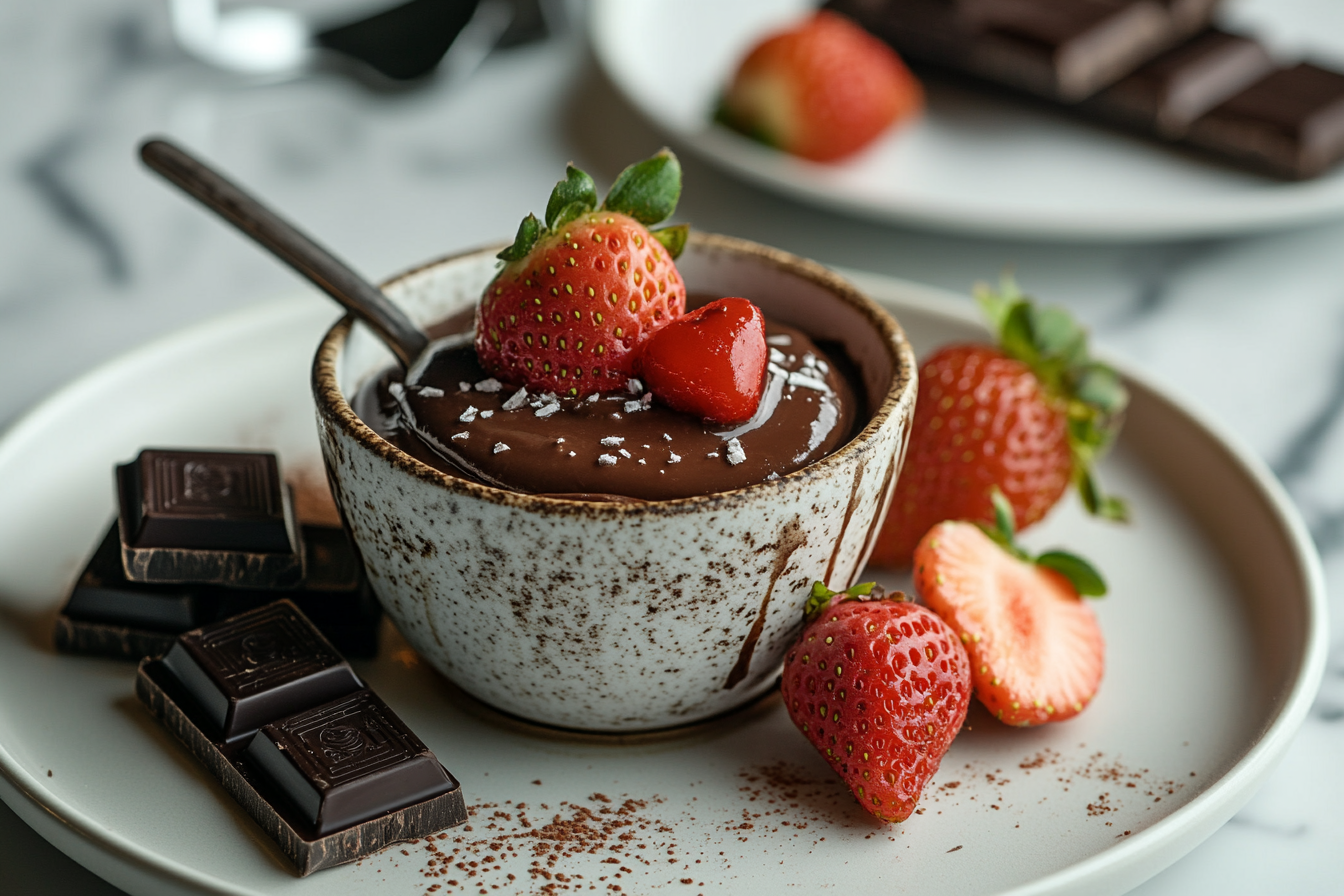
(97, 257)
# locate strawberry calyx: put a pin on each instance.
(1054, 346)
(1082, 575)
(646, 191)
(822, 597)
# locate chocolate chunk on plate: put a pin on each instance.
(347, 761)
(257, 667)
(331, 780)
(1167, 94)
(220, 517)
(1290, 123)
(109, 615)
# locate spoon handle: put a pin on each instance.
(289, 244)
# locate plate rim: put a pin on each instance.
(126, 864)
(1290, 204)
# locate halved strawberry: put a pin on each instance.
(710, 362)
(1036, 650)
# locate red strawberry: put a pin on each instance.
(575, 297)
(880, 687)
(1036, 650)
(710, 362)
(1029, 417)
(821, 90)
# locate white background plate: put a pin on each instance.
(973, 162)
(1215, 628)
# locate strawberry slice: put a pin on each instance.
(710, 362)
(1036, 650)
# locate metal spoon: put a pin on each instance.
(364, 300)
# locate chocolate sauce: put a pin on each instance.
(449, 413)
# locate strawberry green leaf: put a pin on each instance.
(817, 600)
(1107, 507)
(1081, 574)
(577, 190)
(647, 191)
(1099, 385)
(528, 233)
(1003, 514)
(1015, 336)
(673, 238)
(570, 212)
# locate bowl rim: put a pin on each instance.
(333, 406)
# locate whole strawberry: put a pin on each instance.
(576, 295)
(821, 90)
(1028, 416)
(1036, 650)
(880, 687)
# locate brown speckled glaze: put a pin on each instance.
(616, 617)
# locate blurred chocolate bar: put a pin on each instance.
(1179, 86)
(278, 717)
(209, 517)
(1290, 123)
(1064, 50)
(109, 615)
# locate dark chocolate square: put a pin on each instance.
(347, 762)
(109, 615)
(1290, 123)
(258, 667)
(1182, 84)
(217, 517)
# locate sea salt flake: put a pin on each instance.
(623, 453)
(712, 454)
(633, 406)
(500, 446)
(606, 460)
(641, 460)
(464, 386)
(777, 370)
(809, 360)
(634, 386)
(430, 392)
(823, 367)
(781, 339)
(776, 356)
(772, 477)
(615, 416)
(674, 458)
(612, 441)
(667, 437)
(549, 409)
(461, 435)
(486, 415)
(809, 382)
(735, 453)
(469, 414)
(571, 454)
(489, 385)
(646, 400)
(594, 397)
(560, 441)
(517, 400)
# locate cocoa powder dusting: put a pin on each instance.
(606, 844)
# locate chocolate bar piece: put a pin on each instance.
(1290, 123)
(1170, 92)
(347, 762)
(1064, 50)
(109, 615)
(331, 782)
(217, 517)
(257, 667)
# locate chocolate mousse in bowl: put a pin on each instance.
(590, 558)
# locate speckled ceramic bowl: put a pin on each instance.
(616, 617)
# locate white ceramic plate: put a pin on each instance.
(1215, 628)
(972, 163)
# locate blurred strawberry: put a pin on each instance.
(822, 90)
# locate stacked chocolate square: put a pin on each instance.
(1149, 65)
(235, 609)
(204, 535)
